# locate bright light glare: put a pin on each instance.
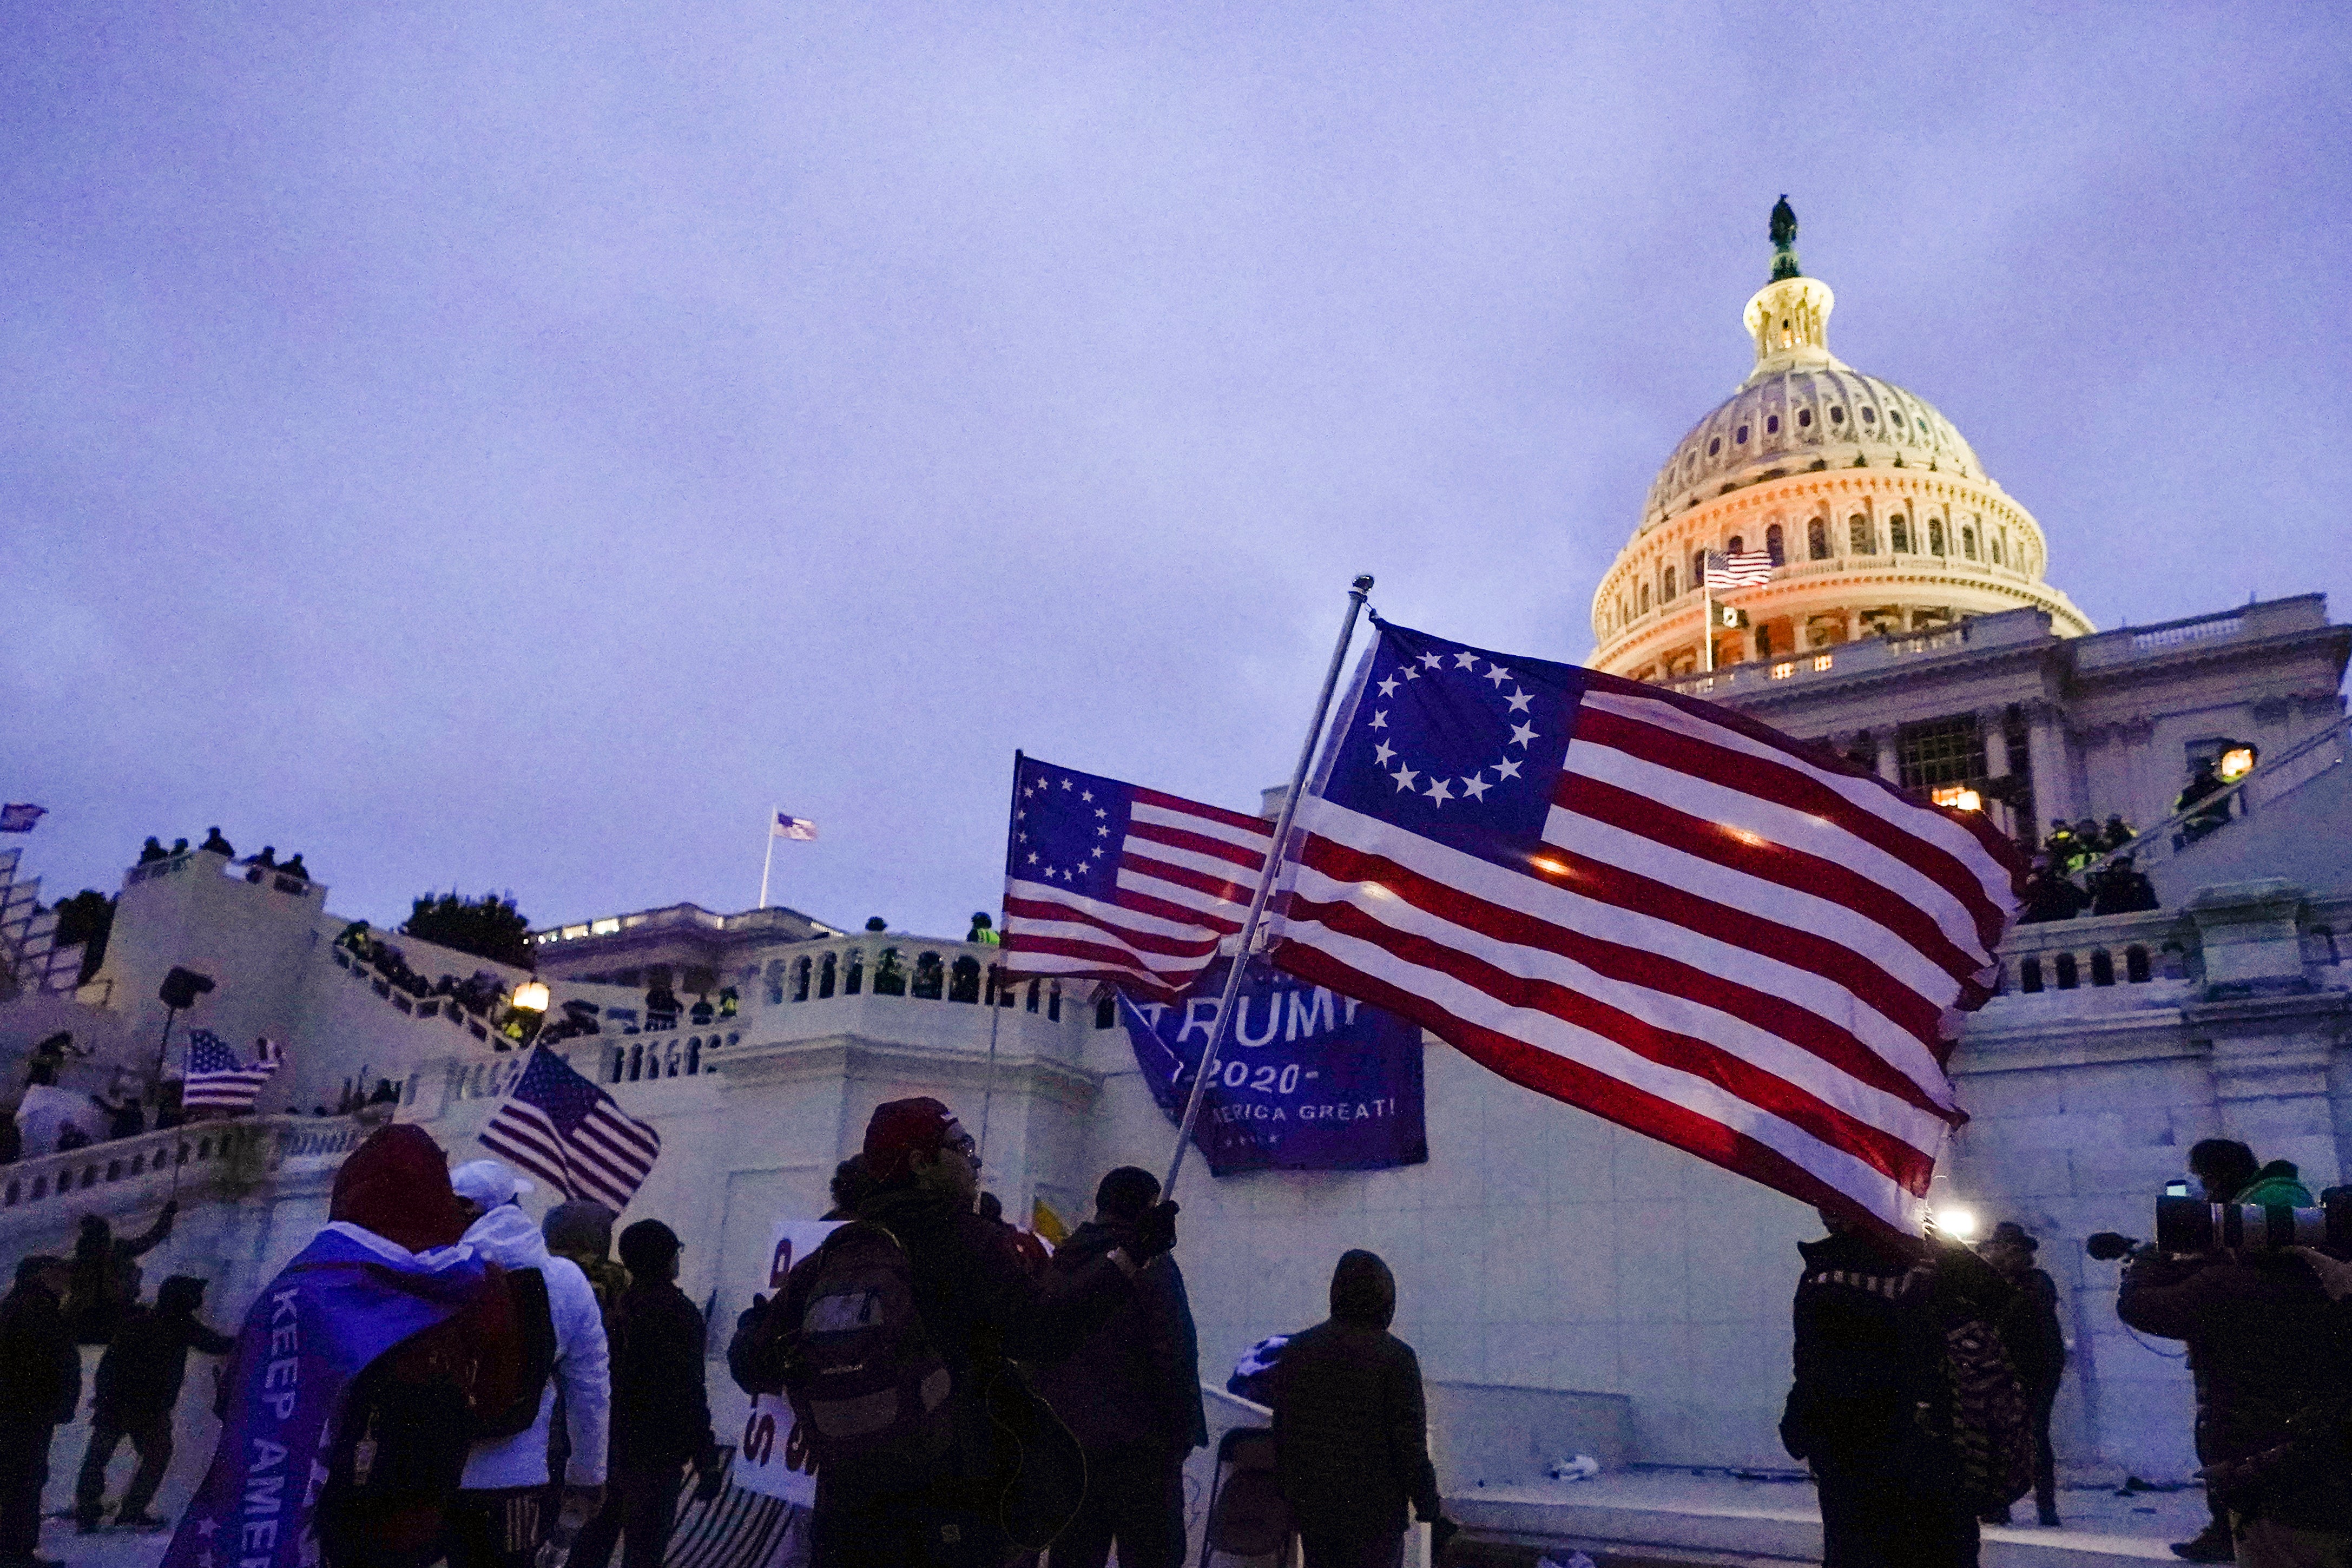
(2237, 763)
(531, 996)
(1959, 796)
(1959, 1223)
(1557, 867)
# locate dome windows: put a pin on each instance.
(1666, 594)
(1869, 417)
(1773, 544)
(1805, 418)
(1935, 536)
(1969, 542)
(1646, 598)
(1817, 539)
(1772, 426)
(1859, 538)
(1898, 530)
(1896, 414)
(1714, 445)
(1995, 543)
(1837, 416)
(1741, 437)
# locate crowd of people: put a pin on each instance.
(257, 865)
(2062, 885)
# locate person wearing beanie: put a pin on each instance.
(2036, 1343)
(661, 1415)
(1131, 1394)
(138, 1385)
(1350, 1429)
(979, 1307)
(501, 1514)
(582, 1230)
(40, 1383)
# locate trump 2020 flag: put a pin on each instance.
(1655, 909)
(572, 1134)
(1114, 882)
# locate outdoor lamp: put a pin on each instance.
(2238, 760)
(1956, 1222)
(531, 996)
(1959, 796)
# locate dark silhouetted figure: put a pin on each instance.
(153, 851)
(215, 844)
(2050, 896)
(294, 868)
(2203, 784)
(1351, 1448)
(40, 1383)
(2120, 889)
(104, 1284)
(661, 1417)
(2036, 1343)
(139, 1382)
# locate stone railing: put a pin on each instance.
(476, 1026)
(2273, 777)
(239, 1150)
(2093, 952)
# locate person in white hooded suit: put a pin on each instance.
(500, 1515)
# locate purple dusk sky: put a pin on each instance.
(516, 446)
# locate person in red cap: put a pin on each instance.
(980, 1306)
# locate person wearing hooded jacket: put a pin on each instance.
(1131, 1394)
(138, 1385)
(40, 1383)
(1350, 1428)
(498, 1519)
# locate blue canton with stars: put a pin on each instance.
(1067, 828)
(550, 1083)
(1455, 743)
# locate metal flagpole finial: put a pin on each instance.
(1358, 593)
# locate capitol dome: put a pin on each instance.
(1874, 513)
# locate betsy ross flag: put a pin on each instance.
(1655, 909)
(1740, 569)
(1113, 881)
(217, 1080)
(800, 828)
(21, 816)
(569, 1133)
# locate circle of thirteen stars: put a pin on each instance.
(1086, 862)
(1475, 788)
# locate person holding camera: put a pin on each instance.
(2269, 1350)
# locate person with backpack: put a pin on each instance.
(500, 1516)
(661, 1417)
(40, 1383)
(581, 1231)
(1131, 1395)
(923, 1307)
(1350, 1428)
(138, 1386)
(359, 1375)
(2036, 1342)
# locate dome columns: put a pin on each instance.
(1790, 323)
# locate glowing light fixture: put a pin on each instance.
(2237, 761)
(1958, 1221)
(1959, 796)
(1557, 867)
(531, 996)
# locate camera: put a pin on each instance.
(2191, 1226)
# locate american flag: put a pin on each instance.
(1655, 909)
(1740, 569)
(785, 826)
(216, 1081)
(1116, 882)
(21, 816)
(569, 1133)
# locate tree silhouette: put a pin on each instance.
(489, 927)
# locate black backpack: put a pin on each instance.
(527, 1289)
(849, 1350)
(399, 1453)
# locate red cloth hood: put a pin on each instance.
(397, 1186)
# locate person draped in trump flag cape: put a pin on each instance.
(1652, 907)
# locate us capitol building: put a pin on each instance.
(1570, 1287)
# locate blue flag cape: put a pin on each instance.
(314, 1329)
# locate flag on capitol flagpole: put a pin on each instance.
(1113, 881)
(789, 827)
(1652, 907)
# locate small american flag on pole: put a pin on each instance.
(1114, 882)
(572, 1134)
(1655, 909)
(217, 1080)
(1740, 569)
(784, 826)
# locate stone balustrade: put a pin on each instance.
(132, 1172)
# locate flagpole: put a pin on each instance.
(770, 857)
(1707, 633)
(1358, 593)
(992, 976)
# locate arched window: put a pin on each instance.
(1763, 642)
(1935, 536)
(2029, 975)
(1817, 539)
(776, 983)
(825, 970)
(801, 980)
(1738, 543)
(1037, 989)
(1698, 567)
(856, 976)
(1859, 539)
(1645, 605)
(1773, 544)
(2068, 976)
(1667, 593)
(2136, 968)
(620, 1062)
(1995, 543)
(1898, 530)
(1054, 1004)
(963, 985)
(637, 1061)
(693, 1058)
(931, 976)
(2102, 968)
(889, 974)
(1969, 542)
(1106, 1012)
(1805, 418)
